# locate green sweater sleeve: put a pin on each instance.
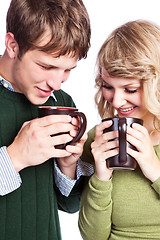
(125, 207)
(96, 201)
(156, 184)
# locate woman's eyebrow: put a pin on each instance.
(104, 82)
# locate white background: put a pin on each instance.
(105, 16)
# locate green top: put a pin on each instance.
(31, 211)
(125, 207)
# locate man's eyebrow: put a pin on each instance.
(73, 67)
(53, 66)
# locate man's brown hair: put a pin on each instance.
(67, 21)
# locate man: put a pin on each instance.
(44, 41)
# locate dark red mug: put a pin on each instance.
(122, 160)
(73, 112)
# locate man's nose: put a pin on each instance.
(55, 80)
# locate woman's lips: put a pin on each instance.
(126, 111)
(44, 93)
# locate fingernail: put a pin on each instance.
(69, 118)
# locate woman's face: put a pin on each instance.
(125, 95)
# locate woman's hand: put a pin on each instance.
(103, 148)
(146, 157)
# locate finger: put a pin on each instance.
(135, 154)
(101, 127)
(58, 153)
(135, 142)
(50, 119)
(83, 138)
(58, 128)
(138, 137)
(77, 147)
(60, 139)
(112, 153)
(75, 121)
(106, 137)
(74, 133)
(101, 156)
(139, 128)
(105, 146)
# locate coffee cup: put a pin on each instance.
(73, 112)
(122, 160)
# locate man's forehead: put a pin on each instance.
(44, 38)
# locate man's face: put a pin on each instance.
(38, 74)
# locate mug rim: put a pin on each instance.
(57, 107)
(121, 117)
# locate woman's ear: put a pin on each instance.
(11, 45)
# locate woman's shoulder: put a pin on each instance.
(157, 150)
(91, 133)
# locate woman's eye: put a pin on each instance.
(107, 87)
(130, 91)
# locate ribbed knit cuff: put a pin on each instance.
(100, 192)
(99, 184)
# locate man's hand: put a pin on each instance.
(34, 145)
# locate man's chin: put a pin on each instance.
(38, 101)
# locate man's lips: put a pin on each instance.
(44, 93)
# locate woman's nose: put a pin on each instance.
(118, 99)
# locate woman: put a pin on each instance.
(125, 204)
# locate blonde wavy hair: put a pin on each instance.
(132, 51)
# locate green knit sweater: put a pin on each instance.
(125, 207)
(31, 212)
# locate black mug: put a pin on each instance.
(73, 112)
(122, 160)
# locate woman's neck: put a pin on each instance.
(149, 124)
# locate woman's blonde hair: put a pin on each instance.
(132, 51)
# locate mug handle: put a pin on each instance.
(122, 125)
(82, 128)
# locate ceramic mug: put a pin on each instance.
(73, 112)
(122, 160)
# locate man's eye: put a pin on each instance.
(46, 67)
(67, 70)
(130, 91)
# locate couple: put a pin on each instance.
(43, 44)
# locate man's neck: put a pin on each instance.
(6, 66)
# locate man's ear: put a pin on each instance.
(11, 45)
